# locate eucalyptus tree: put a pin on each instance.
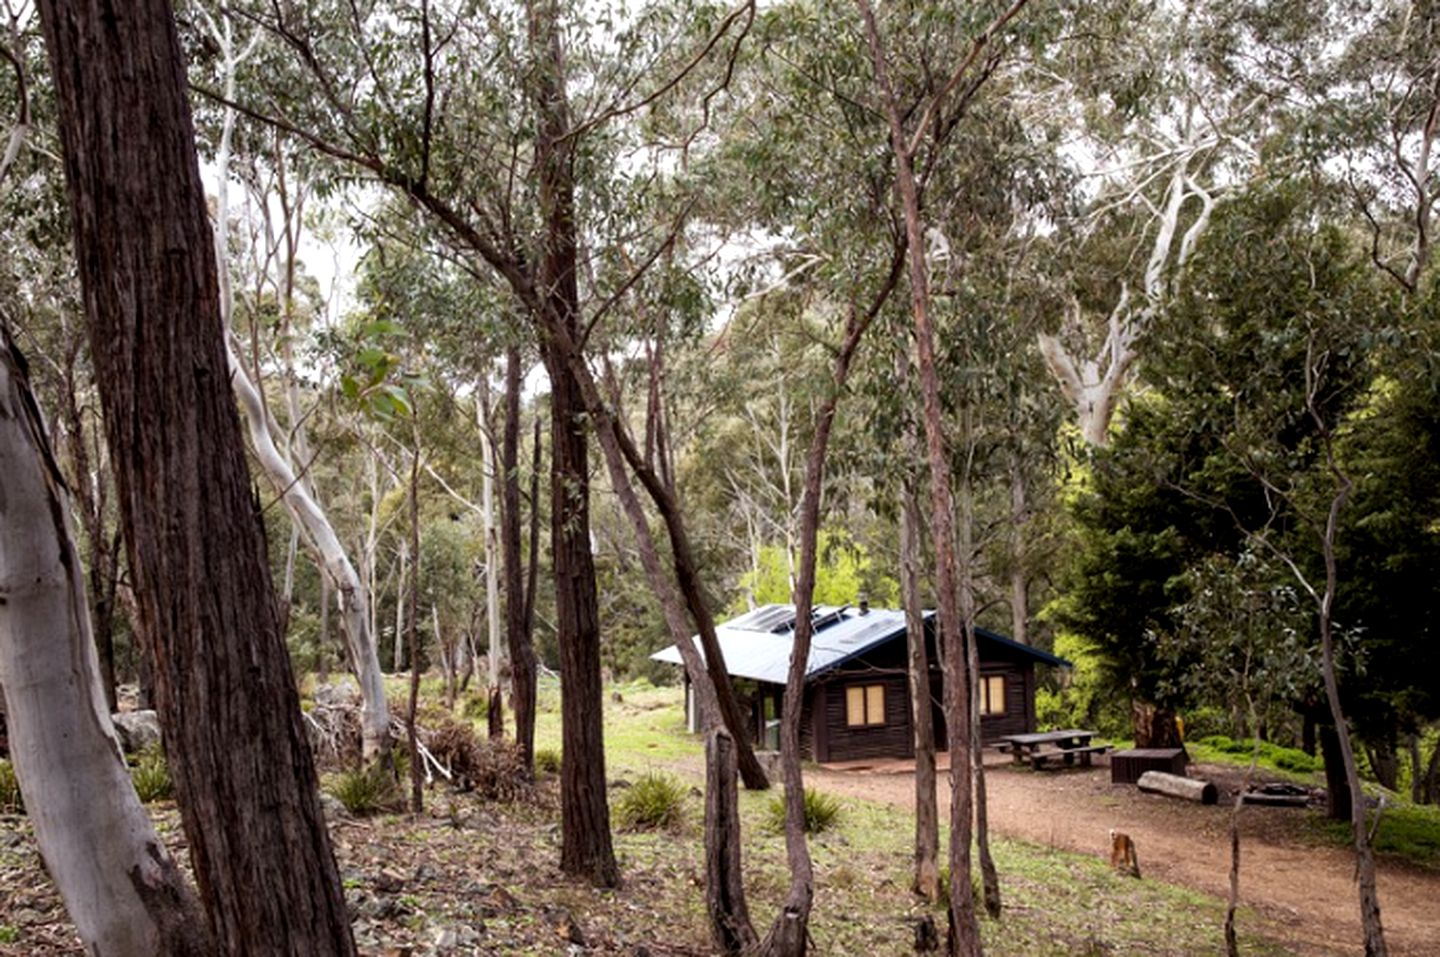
(41, 300)
(1241, 635)
(292, 485)
(919, 124)
(1263, 363)
(1375, 126)
(505, 195)
(234, 735)
(122, 890)
(1166, 114)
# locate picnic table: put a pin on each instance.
(1041, 747)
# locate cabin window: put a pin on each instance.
(864, 705)
(992, 695)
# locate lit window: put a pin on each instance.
(992, 695)
(864, 705)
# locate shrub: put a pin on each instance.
(822, 812)
(152, 776)
(492, 769)
(1272, 755)
(547, 761)
(1293, 759)
(654, 802)
(365, 791)
(10, 800)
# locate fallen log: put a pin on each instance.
(1173, 785)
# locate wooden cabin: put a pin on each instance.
(857, 689)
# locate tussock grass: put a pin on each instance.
(656, 801)
(152, 776)
(10, 800)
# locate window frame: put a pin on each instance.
(871, 699)
(988, 700)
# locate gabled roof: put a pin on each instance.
(757, 645)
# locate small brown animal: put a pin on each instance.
(1122, 854)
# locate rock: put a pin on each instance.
(332, 807)
(379, 907)
(770, 762)
(28, 917)
(137, 730)
(455, 937)
(498, 903)
(569, 929)
(337, 694)
(388, 882)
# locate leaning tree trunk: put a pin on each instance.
(122, 891)
(234, 736)
(586, 849)
(730, 929)
(789, 936)
(335, 564)
(303, 506)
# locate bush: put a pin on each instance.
(492, 769)
(10, 800)
(822, 812)
(365, 791)
(547, 761)
(654, 802)
(152, 776)
(1271, 755)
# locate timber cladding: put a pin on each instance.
(843, 740)
(829, 732)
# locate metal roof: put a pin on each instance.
(757, 645)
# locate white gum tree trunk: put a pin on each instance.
(304, 510)
(1093, 385)
(121, 889)
(492, 534)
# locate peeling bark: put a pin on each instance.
(122, 891)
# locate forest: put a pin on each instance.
(384, 382)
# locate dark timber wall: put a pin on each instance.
(825, 735)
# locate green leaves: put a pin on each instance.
(376, 381)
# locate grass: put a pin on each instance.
(1056, 902)
(1407, 832)
(364, 791)
(655, 801)
(822, 812)
(152, 776)
(10, 800)
(1288, 762)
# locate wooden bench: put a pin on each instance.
(1039, 759)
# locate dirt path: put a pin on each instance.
(1307, 890)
